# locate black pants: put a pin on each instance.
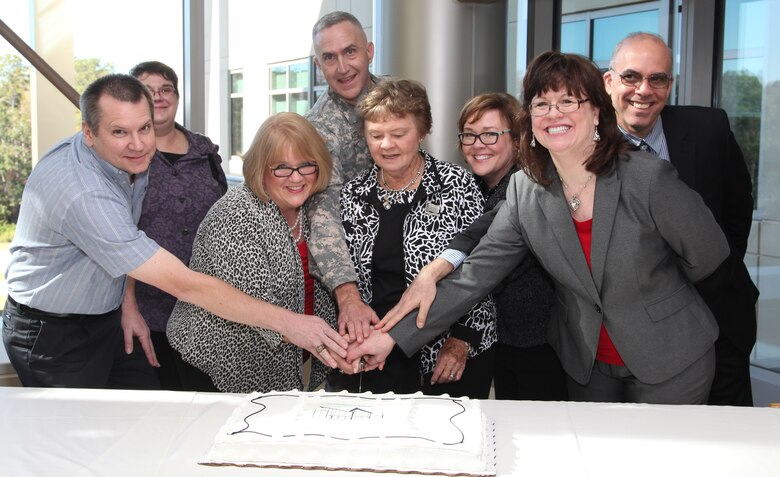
(533, 373)
(78, 351)
(731, 385)
(168, 372)
(190, 377)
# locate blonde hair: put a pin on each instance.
(270, 144)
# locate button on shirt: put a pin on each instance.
(655, 141)
(76, 238)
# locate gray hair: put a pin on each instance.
(333, 18)
(639, 35)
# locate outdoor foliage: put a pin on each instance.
(15, 146)
(741, 98)
(15, 133)
(87, 71)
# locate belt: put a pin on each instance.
(28, 310)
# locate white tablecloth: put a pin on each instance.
(74, 432)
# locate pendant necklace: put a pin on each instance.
(575, 202)
(391, 195)
(298, 223)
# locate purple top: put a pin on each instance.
(177, 199)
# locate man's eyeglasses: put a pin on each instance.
(287, 171)
(634, 79)
(566, 105)
(163, 91)
(487, 138)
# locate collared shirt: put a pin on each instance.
(76, 238)
(656, 140)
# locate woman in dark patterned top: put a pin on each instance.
(526, 366)
(255, 238)
(397, 217)
(185, 179)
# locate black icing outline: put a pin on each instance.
(455, 401)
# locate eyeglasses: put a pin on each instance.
(635, 80)
(287, 171)
(486, 138)
(566, 105)
(163, 91)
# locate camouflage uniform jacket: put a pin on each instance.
(338, 123)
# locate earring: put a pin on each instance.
(533, 140)
(596, 135)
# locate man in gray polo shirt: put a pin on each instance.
(77, 240)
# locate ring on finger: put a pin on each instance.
(320, 348)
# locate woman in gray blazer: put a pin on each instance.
(623, 239)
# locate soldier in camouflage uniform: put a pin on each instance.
(343, 53)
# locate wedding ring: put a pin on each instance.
(452, 376)
(320, 348)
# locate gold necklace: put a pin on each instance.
(575, 202)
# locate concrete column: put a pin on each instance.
(52, 39)
(456, 49)
(194, 66)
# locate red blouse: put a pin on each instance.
(606, 352)
(308, 280)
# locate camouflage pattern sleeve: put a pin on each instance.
(330, 261)
(340, 127)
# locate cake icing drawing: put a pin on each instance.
(435, 435)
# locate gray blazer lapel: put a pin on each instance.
(604, 208)
(553, 204)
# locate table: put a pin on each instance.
(79, 432)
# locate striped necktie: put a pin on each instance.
(646, 147)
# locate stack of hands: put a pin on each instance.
(369, 344)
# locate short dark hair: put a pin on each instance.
(121, 87)
(578, 76)
(398, 97)
(507, 106)
(156, 68)
(333, 18)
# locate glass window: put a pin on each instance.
(278, 77)
(608, 31)
(291, 86)
(299, 102)
(594, 33)
(299, 75)
(749, 92)
(279, 103)
(574, 37)
(236, 119)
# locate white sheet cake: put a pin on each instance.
(377, 432)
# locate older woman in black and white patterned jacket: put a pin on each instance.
(255, 238)
(397, 217)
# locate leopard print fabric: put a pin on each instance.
(248, 244)
(452, 202)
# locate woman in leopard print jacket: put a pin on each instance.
(397, 217)
(254, 238)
